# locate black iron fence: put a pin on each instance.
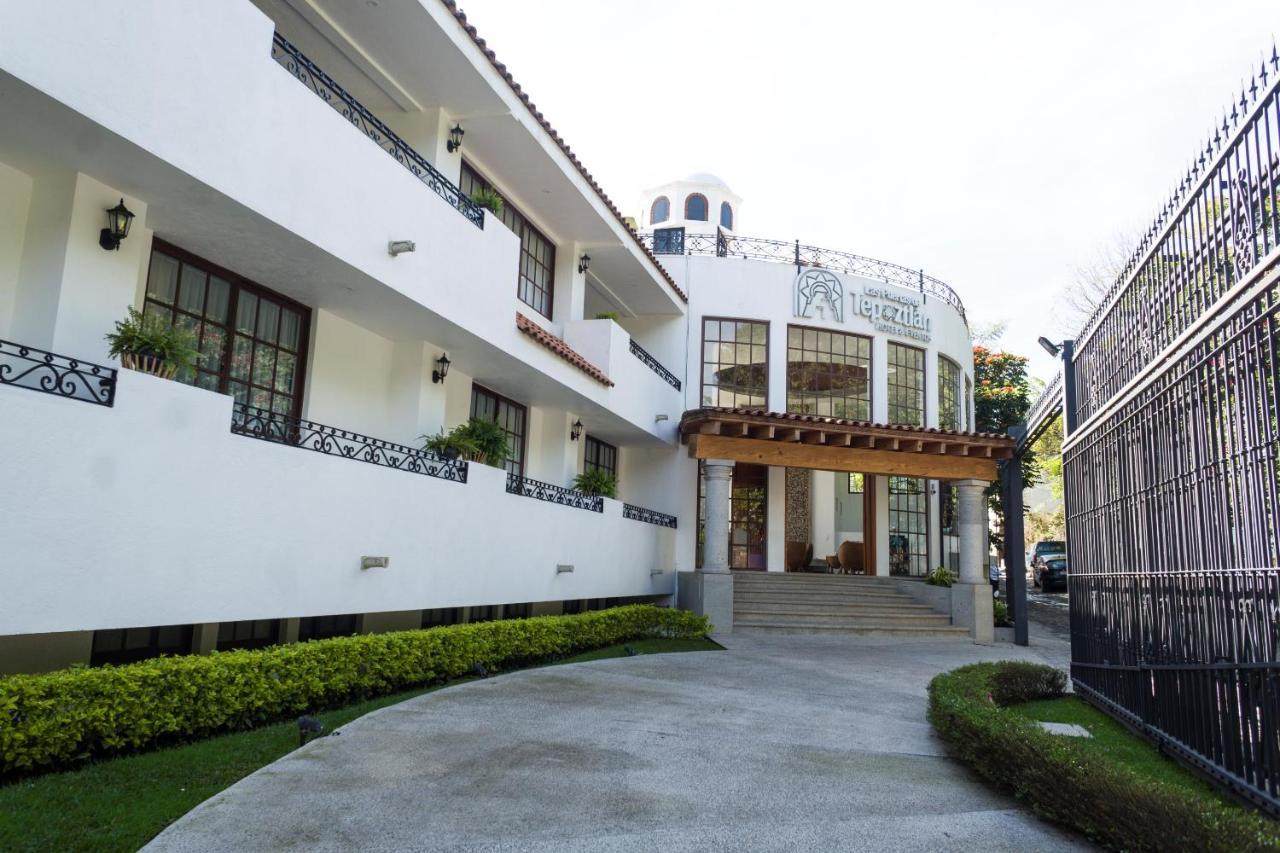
(530, 488)
(23, 366)
(296, 432)
(367, 123)
(655, 365)
(1172, 474)
(675, 241)
(649, 516)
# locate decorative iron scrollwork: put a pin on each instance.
(271, 426)
(649, 516)
(531, 488)
(359, 115)
(655, 365)
(27, 367)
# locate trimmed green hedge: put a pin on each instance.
(57, 718)
(1108, 802)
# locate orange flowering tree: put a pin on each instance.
(1001, 398)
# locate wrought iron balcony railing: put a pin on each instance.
(649, 516)
(355, 112)
(654, 365)
(675, 241)
(531, 488)
(24, 366)
(253, 422)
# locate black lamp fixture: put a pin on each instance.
(119, 218)
(575, 432)
(1049, 346)
(584, 263)
(455, 138)
(442, 368)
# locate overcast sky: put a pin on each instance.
(999, 146)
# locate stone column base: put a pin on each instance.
(971, 607)
(708, 594)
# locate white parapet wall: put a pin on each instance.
(153, 512)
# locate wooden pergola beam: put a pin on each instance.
(826, 458)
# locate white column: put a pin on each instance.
(719, 483)
(822, 513)
(971, 518)
(776, 534)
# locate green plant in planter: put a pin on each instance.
(478, 440)
(489, 200)
(941, 576)
(1000, 614)
(608, 315)
(596, 482)
(151, 344)
(450, 445)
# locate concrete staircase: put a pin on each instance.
(805, 603)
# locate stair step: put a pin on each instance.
(818, 597)
(810, 620)
(850, 628)
(764, 603)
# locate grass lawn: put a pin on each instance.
(122, 803)
(1116, 743)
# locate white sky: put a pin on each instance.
(998, 145)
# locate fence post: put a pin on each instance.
(1015, 555)
(1068, 388)
(924, 297)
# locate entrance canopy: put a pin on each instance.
(835, 444)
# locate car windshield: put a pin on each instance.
(1043, 548)
(1057, 562)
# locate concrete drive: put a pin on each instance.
(791, 742)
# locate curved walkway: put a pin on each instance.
(777, 743)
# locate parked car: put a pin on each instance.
(1051, 572)
(1043, 547)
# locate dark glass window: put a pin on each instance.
(253, 341)
(949, 533)
(441, 616)
(735, 363)
(126, 645)
(828, 373)
(249, 634)
(517, 611)
(324, 627)
(726, 215)
(661, 210)
(510, 415)
(968, 401)
(695, 207)
(857, 484)
(748, 516)
(572, 606)
(536, 275)
(487, 613)
(948, 393)
(906, 385)
(600, 456)
(668, 241)
(908, 526)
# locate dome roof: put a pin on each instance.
(704, 178)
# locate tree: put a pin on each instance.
(1001, 398)
(1092, 282)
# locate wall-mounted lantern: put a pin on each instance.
(575, 432)
(455, 138)
(584, 263)
(119, 218)
(442, 368)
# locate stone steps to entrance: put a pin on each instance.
(923, 620)
(758, 602)
(750, 625)
(815, 603)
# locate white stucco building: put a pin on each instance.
(277, 156)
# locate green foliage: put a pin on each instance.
(489, 200)
(149, 336)
(941, 576)
(63, 717)
(451, 445)
(596, 482)
(478, 440)
(1001, 399)
(1064, 780)
(1014, 682)
(1000, 614)
(608, 315)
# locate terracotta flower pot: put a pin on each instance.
(154, 365)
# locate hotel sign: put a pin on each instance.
(820, 294)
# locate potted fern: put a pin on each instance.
(596, 483)
(478, 440)
(150, 344)
(489, 200)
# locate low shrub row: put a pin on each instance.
(1107, 801)
(59, 718)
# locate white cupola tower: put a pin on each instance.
(699, 203)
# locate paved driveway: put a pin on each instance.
(778, 743)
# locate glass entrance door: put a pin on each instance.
(748, 516)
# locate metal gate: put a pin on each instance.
(1172, 403)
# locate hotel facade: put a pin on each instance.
(302, 177)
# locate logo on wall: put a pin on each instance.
(821, 292)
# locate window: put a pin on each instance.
(908, 526)
(948, 393)
(511, 416)
(572, 606)
(536, 275)
(695, 207)
(600, 456)
(748, 516)
(947, 523)
(126, 645)
(661, 210)
(324, 627)
(735, 363)
(828, 373)
(487, 613)
(726, 215)
(968, 401)
(906, 385)
(517, 611)
(857, 484)
(249, 634)
(253, 341)
(441, 616)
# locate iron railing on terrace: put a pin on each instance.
(271, 426)
(531, 488)
(23, 366)
(675, 241)
(649, 516)
(655, 365)
(367, 123)
(1172, 472)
